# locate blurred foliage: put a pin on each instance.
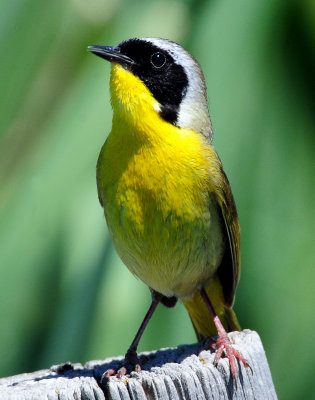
(64, 292)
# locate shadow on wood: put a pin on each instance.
(185, 372)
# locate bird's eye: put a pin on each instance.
(158, 60)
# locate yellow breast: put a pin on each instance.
(156, 186)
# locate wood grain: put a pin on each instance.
(185, 372)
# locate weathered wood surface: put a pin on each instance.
(185, 372)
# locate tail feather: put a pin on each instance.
(231, 320)
(200, 316)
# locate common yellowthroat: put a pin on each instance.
(167, 201)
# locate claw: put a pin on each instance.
(132, 363)
(137, 368)
(107, 374)
(121, 372)
(224, 344)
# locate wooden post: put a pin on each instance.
(185, 372)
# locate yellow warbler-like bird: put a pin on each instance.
(167, 201)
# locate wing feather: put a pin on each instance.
(229, 269)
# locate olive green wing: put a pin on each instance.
(229, 269)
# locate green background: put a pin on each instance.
(64, 293)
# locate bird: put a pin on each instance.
(167, 201)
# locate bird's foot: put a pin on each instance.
(223, 344)
(132, 363)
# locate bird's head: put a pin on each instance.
(157, 75)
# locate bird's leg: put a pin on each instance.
(223, 342)
(131, 356)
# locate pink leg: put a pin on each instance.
(223, 343)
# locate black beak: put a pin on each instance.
(111, 54)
